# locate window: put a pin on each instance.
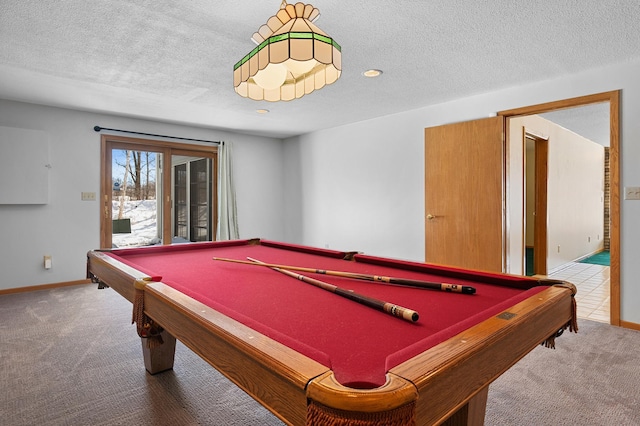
(156, 192)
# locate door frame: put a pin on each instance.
(539, 162)
(540, 243)
(613, 97)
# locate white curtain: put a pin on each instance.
(227, 228)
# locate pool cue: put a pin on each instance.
(454, 288)
(390, 308)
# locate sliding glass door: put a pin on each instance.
(192, 198)
(156, 192)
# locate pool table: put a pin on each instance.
(313, 357)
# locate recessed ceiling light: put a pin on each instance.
(262, 111)
(372, 73)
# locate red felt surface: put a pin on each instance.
(358, 343)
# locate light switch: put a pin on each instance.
(88, 196)
(632, 193)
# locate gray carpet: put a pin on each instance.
(69, 356)
(591, 378)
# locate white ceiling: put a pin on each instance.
(172, 60)
(590, 121)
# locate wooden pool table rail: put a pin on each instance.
(461, 368)
(273, 374)
(448, 383)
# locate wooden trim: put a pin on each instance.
(160, 143)
(105, 193)
(43, 287)
(165, 198)
(614, 205)
(214, 198)
(613, 98)
(631, 325)
(562, 104)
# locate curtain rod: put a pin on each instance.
(98, 128)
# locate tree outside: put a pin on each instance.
(134, 196)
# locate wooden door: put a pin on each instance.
(464, 194)
(540, 225)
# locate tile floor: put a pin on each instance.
(593, 295)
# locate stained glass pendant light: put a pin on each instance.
(293, 57)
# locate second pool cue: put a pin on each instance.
(390, 308)
(453, 288)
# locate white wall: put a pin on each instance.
(66, 228)
(360, 186)
(355, 187)
(575, 200)
(575, 193)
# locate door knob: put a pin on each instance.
(430, 217)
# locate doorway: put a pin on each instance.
(510, 194)
(612, 99)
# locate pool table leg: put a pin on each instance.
(471, 414)
(159, 358)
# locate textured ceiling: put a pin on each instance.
(172, 60)
(590, 121)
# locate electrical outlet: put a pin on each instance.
(47, 262)
(88, 196)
